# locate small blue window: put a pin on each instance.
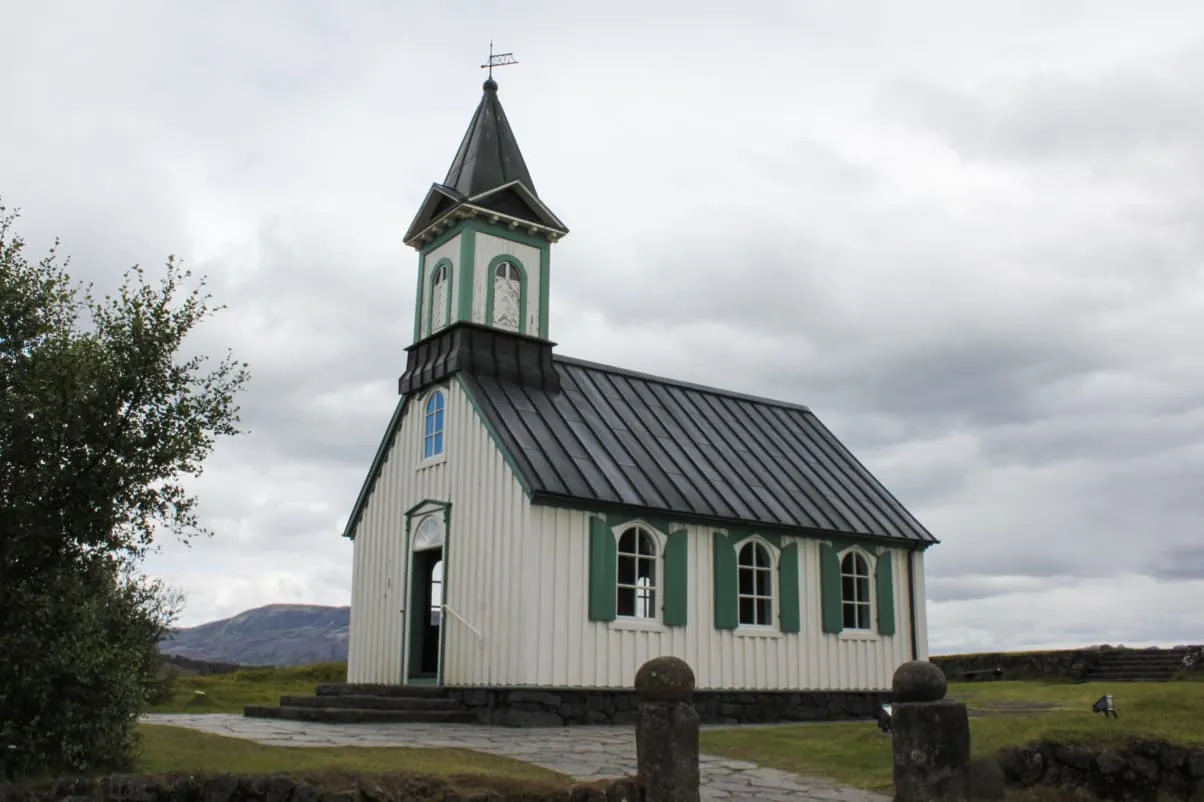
(432, 441)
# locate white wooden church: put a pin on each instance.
(536, 521)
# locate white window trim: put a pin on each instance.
(436, 459)
(656, 622)
(772, 629)
(871, 567)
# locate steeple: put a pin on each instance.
(488, 178)
(489, 155)
(484, 240)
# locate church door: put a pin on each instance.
(426, 613)
(425, 620)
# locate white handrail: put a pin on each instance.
(463, 621)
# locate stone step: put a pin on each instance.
(364, 689)
(372, 702)
(336, 715)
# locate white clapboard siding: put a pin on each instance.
(484, 556)
(572, 651)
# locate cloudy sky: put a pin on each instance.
(968, 234)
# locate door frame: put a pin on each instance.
(420, 511)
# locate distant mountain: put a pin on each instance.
(276, 635)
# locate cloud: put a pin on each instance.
(968, 238)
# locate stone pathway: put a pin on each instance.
(585, 753)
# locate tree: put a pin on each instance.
(102, 420)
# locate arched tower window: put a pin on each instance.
(507, 296)
(440, 289)
(432, 438)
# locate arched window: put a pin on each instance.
(855, 591)
(440, 286)
(756, 585)
(637, 574)
(432, 440)
(507, 296)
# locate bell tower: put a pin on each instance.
(484, 236)
(484, 241)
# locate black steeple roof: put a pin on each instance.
(489, 156)
(488, 175)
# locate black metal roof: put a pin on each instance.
(489, 155)
(613, 437)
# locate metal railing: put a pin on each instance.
(464, 621)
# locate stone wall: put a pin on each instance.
(1145, 769)
(231, 788)
(1067, 664)
(557, 707)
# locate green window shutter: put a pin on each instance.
(676, 589)
(727, 614)
(788, 580)
(603, 571)
(829, 583)
(885, 592)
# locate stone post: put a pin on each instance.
(931, 736)
(666, 735)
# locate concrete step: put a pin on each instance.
(362, 689)
(333, 715)
(372, 702)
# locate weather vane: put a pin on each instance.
(499, 60)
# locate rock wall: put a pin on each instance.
(232, 788)
(557, 707)
(1143, 770)
(1068, 664)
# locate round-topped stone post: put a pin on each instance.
(666, 735)
(931, 736)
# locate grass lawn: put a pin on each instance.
(170, 750)
(229, 693)
(1013, 713)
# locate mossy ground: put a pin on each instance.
(230, 693)
(176, 750)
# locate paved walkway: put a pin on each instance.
(586, 753)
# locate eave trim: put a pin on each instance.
(378, 463)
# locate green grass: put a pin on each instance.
(169, 750)
(857, 754)
(229, 693)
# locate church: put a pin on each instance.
(538, 523)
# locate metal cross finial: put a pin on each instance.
(499, 60)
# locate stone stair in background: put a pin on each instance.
(1137, 665)
(357, 704)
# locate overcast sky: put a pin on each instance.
(967, 234)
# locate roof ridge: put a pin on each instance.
(705, 388)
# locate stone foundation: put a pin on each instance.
(555, 707)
